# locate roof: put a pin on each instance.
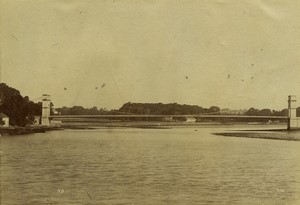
(2, 115)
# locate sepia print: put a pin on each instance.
(150, 102)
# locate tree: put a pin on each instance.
(93, 111)
(265, 112)
(77, 110)
(51, 108)
(252, 111)
(214, 109)
(19, 109)
(284, 112)
(2, 122)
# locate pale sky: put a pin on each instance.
(233, 54)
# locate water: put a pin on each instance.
(148, 166)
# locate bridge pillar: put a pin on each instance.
(293, 120)
(45, 110)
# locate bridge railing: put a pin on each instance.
(168, 116)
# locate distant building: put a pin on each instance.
(191, 119)
(55, 112)
(5, 119)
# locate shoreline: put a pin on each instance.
(270, 135)
(26, 130)
(260, 130)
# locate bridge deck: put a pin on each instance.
(167, 116)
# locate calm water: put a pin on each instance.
(148, 166)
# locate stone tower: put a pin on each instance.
(46, 110)
(293, 120)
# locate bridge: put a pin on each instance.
(293, 122)
(207, 116)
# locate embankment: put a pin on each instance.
(26, 130)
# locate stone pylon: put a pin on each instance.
(293, 120)
(46, 110)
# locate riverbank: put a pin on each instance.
(274, 131)
(263, 134)
(26, 130)
(263, 130)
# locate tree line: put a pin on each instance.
(164, 109)
(19, 109)
(79, 110)
(267, 112)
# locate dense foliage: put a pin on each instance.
(19, 109)
(141, 108)
(165, 109)
(2, 122)
(79, 110)
(266, 112)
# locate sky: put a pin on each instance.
(232, 54)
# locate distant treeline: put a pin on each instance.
(267, 112)
(177, 109)
(79, 110)
(19, 109)
(140, 108)
(164, 109)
